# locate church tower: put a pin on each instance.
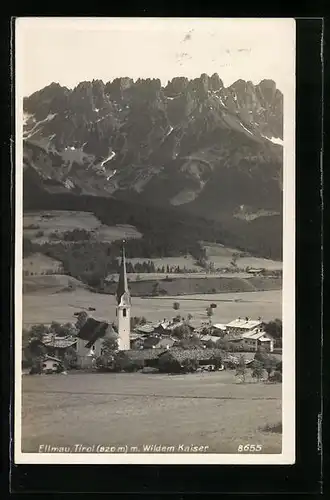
(123, 307)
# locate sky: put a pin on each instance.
(71, 50)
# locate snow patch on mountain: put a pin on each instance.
(35, 128)
(110, 157)
(245, 128)
(277, 140)
(274, 140)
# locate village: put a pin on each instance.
(177, 345)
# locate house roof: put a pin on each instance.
(52, 358)
(248, 356)
(255, 335)
(145, 328)
(93, 329)
(219, 326)
(142, 354)
(181, 355)
(246, 324)
(122, 287)
(205, 338)
(135, 336)
(59, 342)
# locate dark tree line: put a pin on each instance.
(167, 231)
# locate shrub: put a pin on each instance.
(257, 370)
(241, 368)
(276, 377)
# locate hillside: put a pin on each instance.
(192, 150)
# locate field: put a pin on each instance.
(221, 257)
(39, 263)
(217, 254)
(212, 410)
(45, 306)
(65, 220)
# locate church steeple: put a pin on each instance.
(123, 306)
(122, 287)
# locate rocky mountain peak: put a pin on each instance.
(192, 144)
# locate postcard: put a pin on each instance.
(155, 241)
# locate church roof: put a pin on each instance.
(92, 330)
(122, 282)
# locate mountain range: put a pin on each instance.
(192, 146)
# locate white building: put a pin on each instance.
(123, 307)
(249, 333)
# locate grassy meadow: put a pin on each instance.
(64, 220)
(213, 410)
(58, 305)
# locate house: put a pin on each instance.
(255, 272)
(208, 337)
(132, 360)
(174, 359)
(249, 335)
(146, 329)
(219, 329)
(90, 339)
(57, 346)
(51, 364)
(242, 325)
(258, 339)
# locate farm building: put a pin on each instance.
(89, 340)
(133, 360)
(174, 360)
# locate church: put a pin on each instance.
(92, 332)
(123, 310)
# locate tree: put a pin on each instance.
(109, 345)
(276, 377)
(190, 342)
(274, 329)
(107, 359)
(268, 362)
(222, 344)
(37, 332)
(55, 327)
(269, 367)
(176, 306)
(70, 358)
(257, 370)
(82, 317)
(209, 312)
(241, 368)
(189, 365)
(181, 332)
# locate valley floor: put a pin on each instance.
(212, 410)
(45, 307)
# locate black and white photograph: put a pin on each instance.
(155, 241)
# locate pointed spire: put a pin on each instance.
(122, 282)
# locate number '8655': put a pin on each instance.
(249, 447)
